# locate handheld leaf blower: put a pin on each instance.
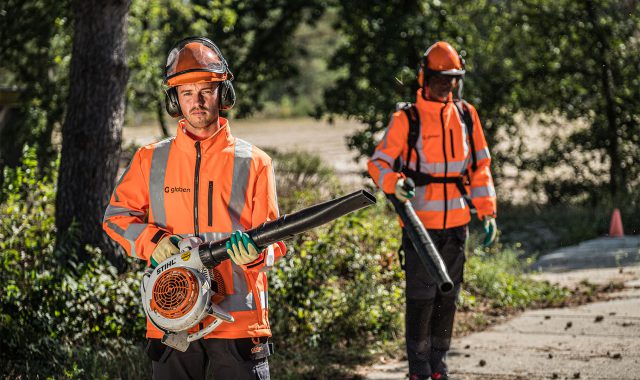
(426, 250)
(177, 296)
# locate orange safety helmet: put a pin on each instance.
(197, 60)
(440, 59)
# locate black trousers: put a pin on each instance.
(222, 358)
(430, 314)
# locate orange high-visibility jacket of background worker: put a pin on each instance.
(445, 151)
(209, 189)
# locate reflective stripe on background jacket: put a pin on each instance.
(444, 152)
(208, 188)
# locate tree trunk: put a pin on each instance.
(606, 81)
(160, 110)
(92, 130)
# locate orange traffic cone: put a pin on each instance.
(615, 229)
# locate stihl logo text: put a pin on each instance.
(166, 265)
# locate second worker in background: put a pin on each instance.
(439, 143)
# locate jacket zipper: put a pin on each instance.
(453, 152)
(210, 203)
(196, 181)
(446, 164)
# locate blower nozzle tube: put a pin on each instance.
(288, 225)
(426, 250)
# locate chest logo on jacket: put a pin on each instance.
(176, 189)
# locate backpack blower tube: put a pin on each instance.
(288, 225)
(423, 244)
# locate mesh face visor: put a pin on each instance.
(194, 61)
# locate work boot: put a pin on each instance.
(439, 376)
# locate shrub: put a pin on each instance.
(496, 277)
(57, 314)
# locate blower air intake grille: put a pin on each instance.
(174, 293)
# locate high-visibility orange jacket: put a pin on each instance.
(209, 189)
(445, 151)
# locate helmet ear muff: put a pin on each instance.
(227, 95)
(171, 102)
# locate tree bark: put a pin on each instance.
(606, 81)
(92, 130)
(160, 110)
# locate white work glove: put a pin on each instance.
(241, 248)
(490, 230)
(167, 247)
(401, 193)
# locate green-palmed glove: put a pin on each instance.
(167, 247)
(490, 230)
(241, 248)
(401, 192)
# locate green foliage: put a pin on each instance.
(57, 314)
(586, 70)
(35, 41)
(497, 278)
(338, 289)
(302, 179)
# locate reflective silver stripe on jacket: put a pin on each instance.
(463, 127)
(242, 297)
(380, 155)
(156, 181)
(482, 154)
(240, 182)
(383, 171)
(131, 234)
(120, 211)
(244, 301)
(437, 205)
(483, 191)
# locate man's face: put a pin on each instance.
(199, 104)
(440, 86)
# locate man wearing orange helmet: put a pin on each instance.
(437, 142)
(203, 184)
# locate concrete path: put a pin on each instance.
(595, 341)
(596, 253)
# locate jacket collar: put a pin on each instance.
(216, 142)
(420, 102)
